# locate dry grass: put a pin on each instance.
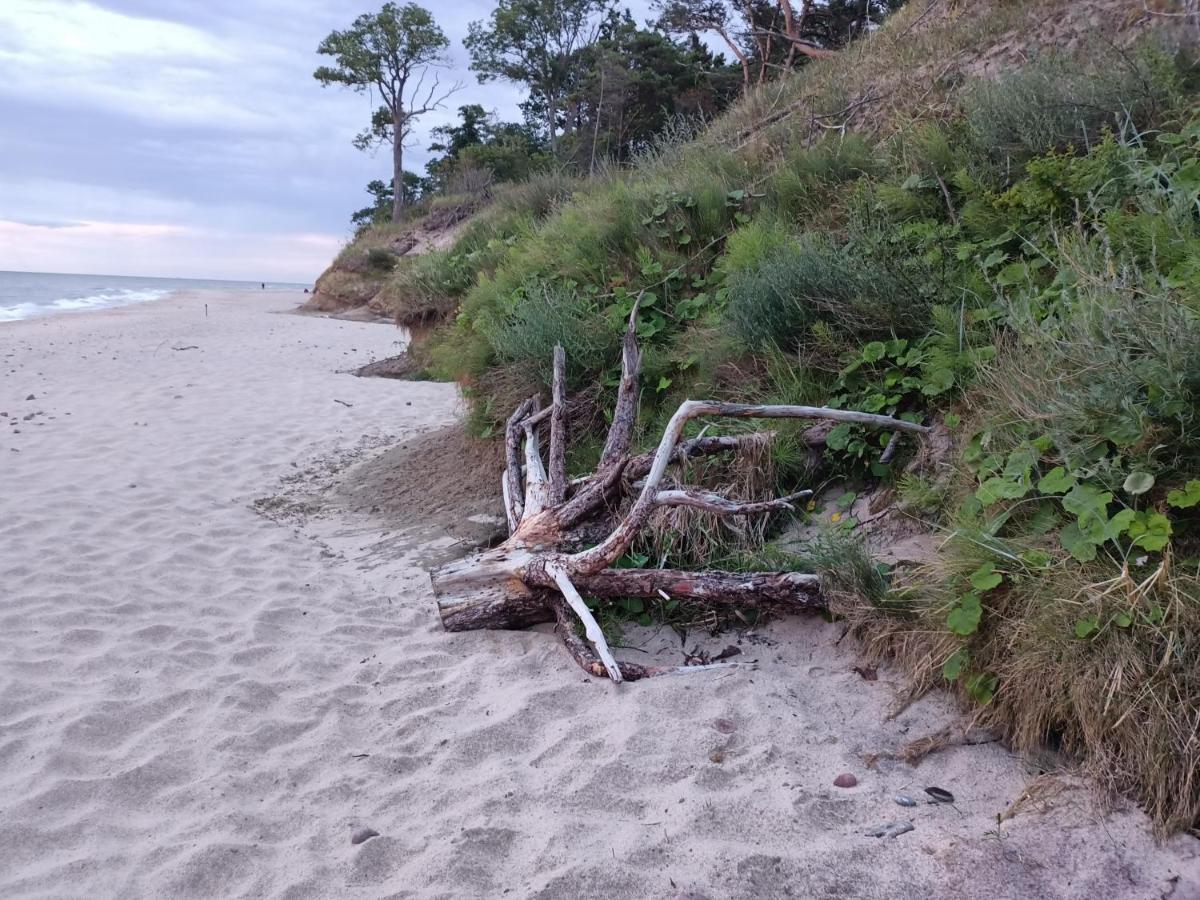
(689, 536)
(911, 70)
(1124, 702)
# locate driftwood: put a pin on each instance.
(554, 555)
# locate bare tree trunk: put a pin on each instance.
(741, 58)
(397, 169)
(789, 28)
(540, 575)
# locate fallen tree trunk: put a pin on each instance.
(535, 576)
(515, 604)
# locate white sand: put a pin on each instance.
(199, 701)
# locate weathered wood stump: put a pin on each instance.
(539, 572)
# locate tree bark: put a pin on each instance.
(492, 591)
(397, 169)
(741, 58)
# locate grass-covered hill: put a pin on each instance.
(985, 215)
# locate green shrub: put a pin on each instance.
(1055, 103)
(750, 245)
(537, 196)
(380, 259)
(815, 279)
(542, 315)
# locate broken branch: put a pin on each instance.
(710, 501)
(608, 551)
(590, 626)
(620, 433)
(558, 428)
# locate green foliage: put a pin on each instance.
(478, 142)
(1054, 103)
(380, 259)
(809, 176)
(897, 378)
(381, 53)
(534, 42)
(750, 245)
(815, 279)
(542, 315)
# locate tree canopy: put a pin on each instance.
(536, 43)
(600, 86)
(391, 52)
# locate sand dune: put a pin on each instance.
(213, 674)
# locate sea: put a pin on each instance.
(27, 294)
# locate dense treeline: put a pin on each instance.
(600, 87)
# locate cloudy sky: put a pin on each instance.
(188, 137)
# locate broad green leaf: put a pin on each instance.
(1086, 627)
(1186, 498)
(1087, 500)
(1138, 483)
(1043, 442)
(1056, 481)
(838, 437)
(956, 664)
(1019, 465)
(1045, 517)
(1123, 620)
(874, 351)
(996, 488)
(1014, 273)
(874, 403)
(964, 618)
(937, 382)
(1150, 530)
(1037, 559)
(982, 688)
(1075, 543)
(1118, 524)
(985, 578)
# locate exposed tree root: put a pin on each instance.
(539, 575)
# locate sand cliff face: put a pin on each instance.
(220, 662)
(359, 273)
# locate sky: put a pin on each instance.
(188, 138)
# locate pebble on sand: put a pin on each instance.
(845, 780)
(363, 834)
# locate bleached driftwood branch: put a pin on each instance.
(535, 577)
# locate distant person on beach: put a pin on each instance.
(264, 285)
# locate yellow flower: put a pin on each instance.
(835, 518)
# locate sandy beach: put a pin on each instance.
(220, 664)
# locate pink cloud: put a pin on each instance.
(154, 249)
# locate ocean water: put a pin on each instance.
(27, 294)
